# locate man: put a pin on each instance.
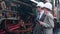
(48, 23)
(37, 29)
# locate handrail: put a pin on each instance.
(23, 3)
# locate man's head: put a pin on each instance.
(47, 7)
(40, 6)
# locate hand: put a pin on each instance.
(40, 22)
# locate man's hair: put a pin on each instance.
(39, 7)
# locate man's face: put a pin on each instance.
(39, 9)
(45, 10)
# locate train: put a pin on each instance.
(18, 16)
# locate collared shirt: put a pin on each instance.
(40, 14)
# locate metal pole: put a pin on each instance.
(53, 7)
(57, 13)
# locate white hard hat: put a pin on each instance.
(40, 4)
(48, 6)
